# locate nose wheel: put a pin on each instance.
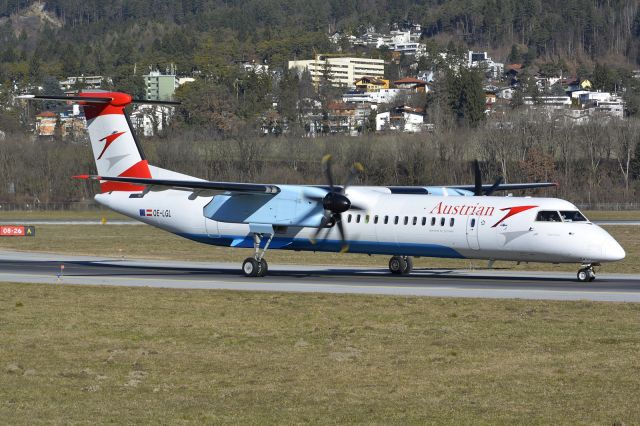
(586, 274)
(401, 265)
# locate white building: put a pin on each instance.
(404, 119)
(417, 49)
(594, 97)
(482, 59)
(612, 108)
(85, 81)
(505, 93)
(341, 71)
(549, 102)
(382, 96)
(151, 119)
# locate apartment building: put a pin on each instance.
(340, 71)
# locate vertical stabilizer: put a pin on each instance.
(115, 148)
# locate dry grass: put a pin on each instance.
(18, 215)
(73, 354)
(147, 242)
(613, 215)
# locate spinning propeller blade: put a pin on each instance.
(335, 202)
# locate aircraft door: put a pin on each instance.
(473, 224)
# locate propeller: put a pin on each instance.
(335, 202)
(478, 189)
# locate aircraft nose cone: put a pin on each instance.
(614, 251)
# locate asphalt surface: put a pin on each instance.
(65, 269)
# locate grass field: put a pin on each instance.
(148, 242)
(74, 354)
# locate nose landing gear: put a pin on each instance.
(586, 273)
(401, 265)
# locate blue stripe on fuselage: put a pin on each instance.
(366, 247)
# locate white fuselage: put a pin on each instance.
(498, 228)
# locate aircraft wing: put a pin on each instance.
(189, 185)
(507, 186)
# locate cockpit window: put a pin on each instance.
(548, 216)
(572, 216)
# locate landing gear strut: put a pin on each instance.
(257, 265)
(586, 273)
(401, 265)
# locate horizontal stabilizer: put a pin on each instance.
(189, 185)
(92, 99)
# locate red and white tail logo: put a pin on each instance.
(114, 147)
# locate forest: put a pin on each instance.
(214, 132)
(109, 37)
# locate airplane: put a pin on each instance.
(462, 222)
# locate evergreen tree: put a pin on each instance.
(466, 95)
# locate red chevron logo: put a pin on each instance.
(108, 140)
(512, 211)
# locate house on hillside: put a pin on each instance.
(505, 93)
(482, 60)
(63, 122)
(402, 118)
(151, 119)
(46, 123)
(412, 84)
(71, 84)
(371, 84)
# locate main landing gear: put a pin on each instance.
(586, 273)
(401, 265)
(257, 265)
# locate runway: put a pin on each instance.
(47, 268)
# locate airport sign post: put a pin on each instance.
(17, 231)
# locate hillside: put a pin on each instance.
(94, 36)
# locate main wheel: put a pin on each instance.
(264, 268)
(396, 264)
(408, 265)
(250, 267)
(583, 275)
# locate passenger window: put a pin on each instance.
(386, 220)
(442, 221)
(366, 219)
(415, 220)
(572, 216)
(357, 218)
(424, 221)
(375, 219)
(406, 220)
(548, 216)
(349, 218)
(451, 221)
(395, 221)
(433, 221)
(473, 223)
